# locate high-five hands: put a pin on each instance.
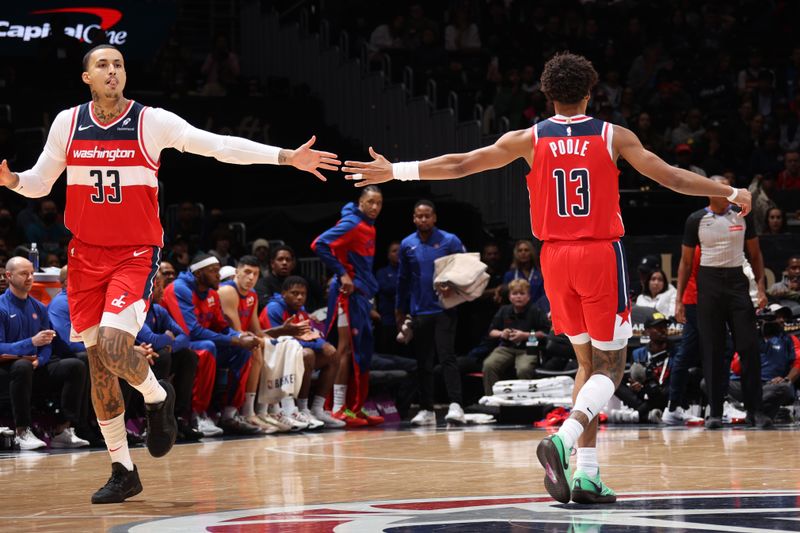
(309, 160)
(379, 170)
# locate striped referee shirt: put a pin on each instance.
(721, 236)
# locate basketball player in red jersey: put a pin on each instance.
(110, 148)
(574, 197)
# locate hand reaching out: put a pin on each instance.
(7, 178)
(379, 170)
(309, 160)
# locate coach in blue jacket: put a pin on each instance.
(434, 327)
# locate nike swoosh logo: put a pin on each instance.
(12, 316)
(140, 252)
(81, 128)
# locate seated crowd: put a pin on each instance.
(245, 342)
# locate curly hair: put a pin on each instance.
(567, 78)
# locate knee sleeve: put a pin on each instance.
(594, 395)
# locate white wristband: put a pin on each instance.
(406, 171)
(733, 195)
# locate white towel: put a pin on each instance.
(283, 370)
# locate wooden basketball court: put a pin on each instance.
(402, 480)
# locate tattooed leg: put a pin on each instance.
(106, 394)
(609, 363)
(116, 351)
(583, 352)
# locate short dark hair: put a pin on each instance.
(93, 50)
(567, 78)
(248, 260)
(369, 189)
(426, 202)
(291, 281)
(274, 252)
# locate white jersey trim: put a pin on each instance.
(575, 119)
(610, 140)
(132, 176)
(140, 138)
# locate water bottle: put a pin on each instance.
(532, 345)
(33, 257)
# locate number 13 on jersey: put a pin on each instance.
(572, 192)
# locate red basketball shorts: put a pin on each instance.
(587, 285)
(109, 286)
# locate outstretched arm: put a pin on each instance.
(168, 130)
(683, 181)
(508, 148)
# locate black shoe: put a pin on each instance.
(122, 485)
(187, 432)
(162, 428)
(758, 419)
(713, 422)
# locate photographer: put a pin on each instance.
(647, 388)
(780, 362)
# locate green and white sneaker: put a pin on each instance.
(591, 490)
(554, 457)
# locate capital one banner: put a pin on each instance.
(136, 27)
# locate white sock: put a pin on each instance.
(288, 406)
(318, 404)
(151, 389)
(569, 432)
(228, 412)
(117, 440)
(248, 407)
(302, 404)
(262, 409)
(339, 397)
(587, 461)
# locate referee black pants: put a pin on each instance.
(723, 299)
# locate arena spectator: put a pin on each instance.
(434, 327)
(260, 249)
(387, 292)
(649, 137)
(690, 131)
(763, 189)
(167, 271)
(462, 34)
(789, 177)
(646, 389)
(8, 231)
(525, 265)
(25, 342)
(683, 159)
(658, 293)
(221, 69)
(780, 364)
(193, 302)
(477, 314)
(48, 230)
(775, 223)
(789, 287)
(221, 247)
(646, 265)
(512, 326)
(171, 356)
(178, 254)
(187, 226)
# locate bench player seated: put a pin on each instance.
(194, 303)
(317, 354)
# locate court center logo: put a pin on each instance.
(750, 511)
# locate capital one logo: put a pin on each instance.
(108, 18)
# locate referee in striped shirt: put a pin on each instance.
(723, 299)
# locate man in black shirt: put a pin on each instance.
(513, 325)
(282, 265)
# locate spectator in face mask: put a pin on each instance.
(48, 230)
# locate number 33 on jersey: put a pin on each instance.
(110, 177)
(574, 181)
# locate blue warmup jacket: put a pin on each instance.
(415, 275)
(20, 320)
(61, 323)
(154, 331)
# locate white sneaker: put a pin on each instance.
(654, 416)
(327, 418)
(309, 419)
(29, 441)
(623, 416)
(424, 418)
(732, 415)
(207, 427)
(455, 415)
(293, 423)
(679, 417)
(266, 429)
(68, 439)
(271, 420)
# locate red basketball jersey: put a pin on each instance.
(112, 183)
(573, 184)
